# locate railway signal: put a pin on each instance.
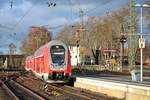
(123, 40)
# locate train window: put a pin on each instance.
(58, 54)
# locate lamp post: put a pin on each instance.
(123, 40)
(141, 36)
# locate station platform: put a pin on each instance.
(120, 86)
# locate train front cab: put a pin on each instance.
(63, 75)
(48, 69)
(60, 65)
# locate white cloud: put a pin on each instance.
(85, 18)
(41, 14)
(58, 21)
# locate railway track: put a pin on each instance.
(77, 93)
(6, 93)
(17, 92)
(61, 91)
(68, 92)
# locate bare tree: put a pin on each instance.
(36, 37)
(67, 35)
(132, 45)
(99, 31)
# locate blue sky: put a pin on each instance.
(25, 13)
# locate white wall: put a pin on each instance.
(74, 51)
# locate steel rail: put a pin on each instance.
(8, 91)
(29, 92)
(70, 92)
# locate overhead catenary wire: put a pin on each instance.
(60, 26)
(56, 27)
(138, 34)
(82, 13)
(90, 10)
(26, 13)
(6, 27)
(29, 10)
(20, 20)
(4, 45)
(71, 8)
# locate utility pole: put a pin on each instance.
(132, 40)
(81, 29)
(12, 49)
(81, 17)
(11, 3)
(81, 42)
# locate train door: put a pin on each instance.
(28, 64)
(42, 64)
(32, 68)
(46, 62)
(36, 63)
(39, 64)
(68, 61)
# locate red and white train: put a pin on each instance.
(51, 62)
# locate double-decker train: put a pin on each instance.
(51, 62)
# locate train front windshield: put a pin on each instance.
(57, 54)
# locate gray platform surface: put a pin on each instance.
(125, 79)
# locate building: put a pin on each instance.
(75, 57)
(11, 61)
